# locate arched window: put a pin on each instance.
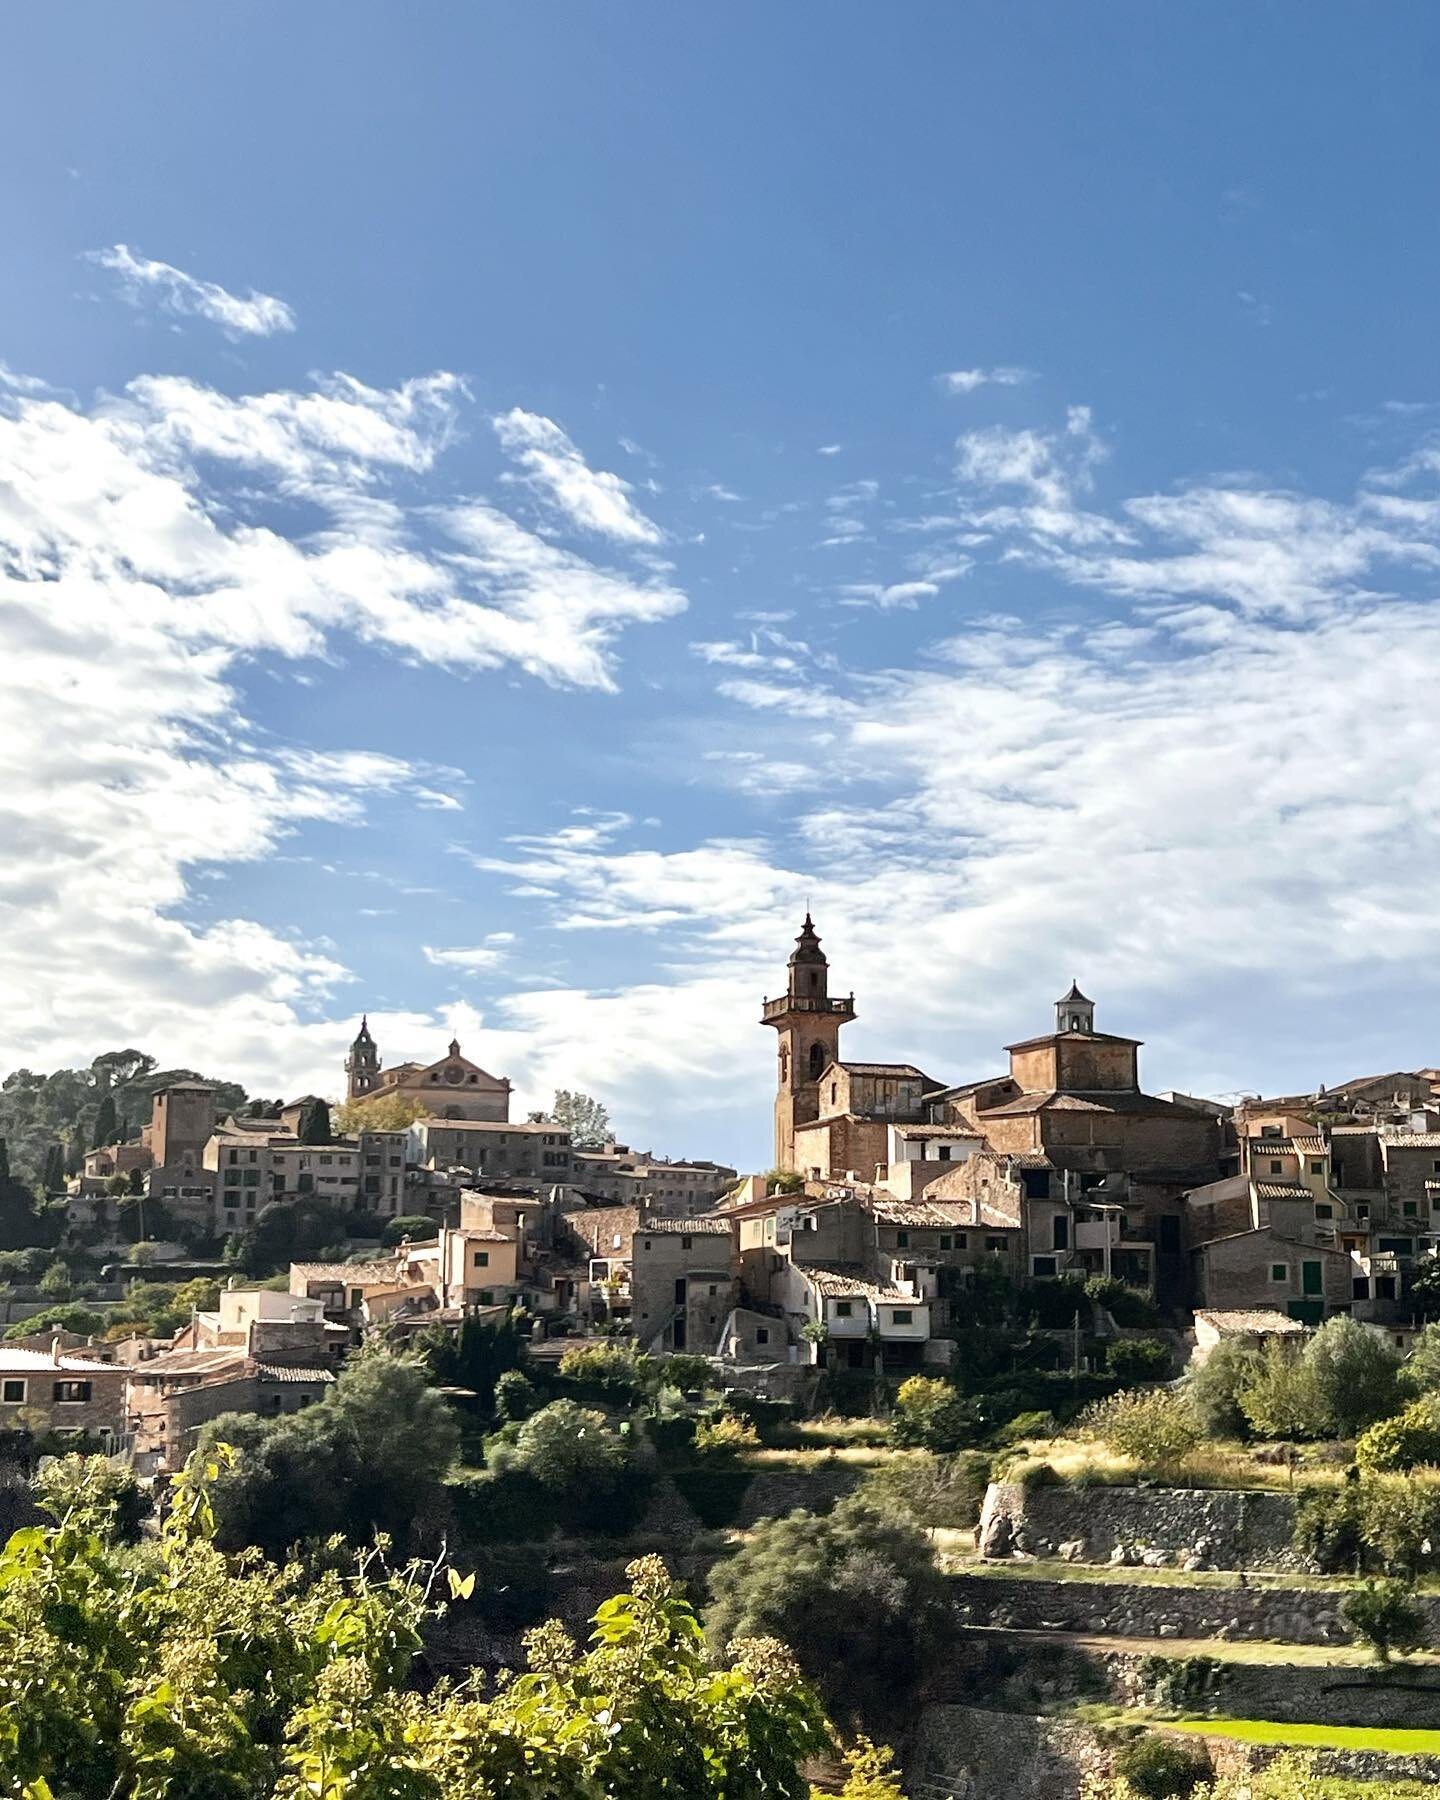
(817, 1061)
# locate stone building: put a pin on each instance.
(496, 1149)
(452, 1088)
(48, 1390)
(807, 1022)
(684, 1283)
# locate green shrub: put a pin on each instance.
(1138, 1359)
(686, 1373)
(1330, 1529)
(769, 1417)
(1214, 1385)
(1282, 1398)
(935, 1491)
(515, 1396)
(1355, 1373)
(1128, 1307)
(1055, 1303)
(1026, 1425)
(1384, 1614)
(93, 1493)
(673, 1437)
(931, 1415)
(1410, 1438)
(418, 1227)
(1158, 1768)
(1153, 1426)
(609, 1369)
(723, 1439)
(588, 1468)
(1402, 1525)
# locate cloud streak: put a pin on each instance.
(238, 315)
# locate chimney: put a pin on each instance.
(55, 1348)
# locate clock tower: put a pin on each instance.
(808, 1023)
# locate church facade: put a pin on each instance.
(452, 1088)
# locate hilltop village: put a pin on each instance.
(1149, 1375)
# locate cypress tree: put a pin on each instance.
(105, 1122)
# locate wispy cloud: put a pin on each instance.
(591, 500)
(240, 315)
(965, 381)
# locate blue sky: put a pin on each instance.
(499, 506)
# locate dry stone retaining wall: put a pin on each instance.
(1135, 1609)
(1178, 1527)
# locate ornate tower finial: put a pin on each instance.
(1074, 1012)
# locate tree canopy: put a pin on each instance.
(169, 1672)
(582, 1116)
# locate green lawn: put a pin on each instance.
(1315, 1737)
(1137, 1575)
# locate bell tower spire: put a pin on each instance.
(808, 1023)
(362, 1065)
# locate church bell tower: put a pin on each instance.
(362, 1065)
(808, 1022)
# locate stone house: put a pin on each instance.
(170, 1396)
(452, 1088)
(684, 1279)
(44, 1391)
(495, 1149)
(866, 1324)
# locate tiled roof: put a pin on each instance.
(493, 1125)
(198, 1364)
(869, 1068)
(1277, 1146)
(1260, 1322)
(14, 1361)
(938, 1131)
(1282, 1190)
(1312, 1146)
(703, 1227)
(940, 1215)
(1084, 1037)
(835, 1285)
(364, 1274)
(283, 1372)
(1412, 1140)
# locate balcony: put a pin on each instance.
(771, 1010)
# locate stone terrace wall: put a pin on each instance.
(1195, 1528)
(1133, 1609)
(967, 1753)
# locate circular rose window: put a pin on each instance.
(454, 1076)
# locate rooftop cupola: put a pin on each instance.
(1073, 1012)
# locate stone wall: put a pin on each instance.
(1152, 1610)
(1180, 1527)
(967, 1753)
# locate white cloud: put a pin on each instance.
(965, 381)
(589, 499)
(238, 315)
(477, 958)
(829, 449)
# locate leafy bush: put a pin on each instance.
(935, 1491)
(1153, 1426)
(1402, 1525)
(686, 1373)
(1420, 1372)
(1138, 1359)
(1410, 1438)
(673, 1437)
(418, 1227)
(931, 1415)
(1026, 1425)
(1330, 1528)
(82, 1320)
(1282, 1397)
(856, 1592)
(723, 1439)
(93, 1493)
(1384, 1614)
(588, 1470)
(1355, 1373)
(610, 1369)
(515, 1396)
(1128, 1307)
(1157, 1768)
(1214, 1386)
(1056, 1301)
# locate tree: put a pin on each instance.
(1282, 1398)
(1384, 1614)
(1158, 1768)
(582, 1116)
(1411, 1438)
(170, 1671)
(1355, 1375)
(370, 1456)
(870, 1774)
(1153, 1426)
(1214, 1386)
(56, 1283)
(1138, 1359)
(931, 1415)
(784, 1181)
(52, 1176)
(418, 1227)
(570, 1449)
(314, 1123)
(378, 1112)
(478, 1357)
(106, 1124)
(856, 1592)
(1420, 1372)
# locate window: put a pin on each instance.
(13, 1393)
(1410, 1209)
(71, 1393)
(1312, 1278)
(843, 1309)
(325, 1161)
(1043, 1265)
(1269, 1131)
(232, 1178)
(1276, 1168)
(995, 1245)
(947, 1240)
(646, 1244)
(1317, 1168)
(254, 1156)
(487, 1298)
(1396, 1246)
(902, 1240)
(902, 1316)
(1060, 1232)
(1323, 1210)
(1279, 1271)
(943, 1153)
(252, 1178)
(685, 1243)
(762, 1334)
(234, 1156)
(481, 1259)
